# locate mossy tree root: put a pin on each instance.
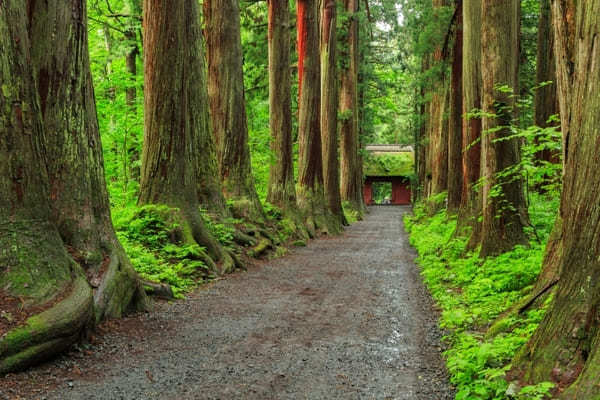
(50, 332)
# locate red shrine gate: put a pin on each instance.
(400, 189)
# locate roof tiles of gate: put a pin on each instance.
(387, 160)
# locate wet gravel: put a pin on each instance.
(343, 318)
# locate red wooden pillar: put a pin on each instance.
(400, 192)
(368, 192)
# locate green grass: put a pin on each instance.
(473, 293)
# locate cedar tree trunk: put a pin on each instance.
(53, 188)
(472, 86)
(174, 120)
(329, 108)
(455, 124)
(80, 207)
(564, 349)
(282, 190)
(311, 197)
(504, 210)
(227, 106)
(350, 161)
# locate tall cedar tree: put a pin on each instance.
(311, 197)
(472, 92)
(564, 349)
(350, 160)
(175, 119)
(438, 131)
(455, 123)
(504, 211)
(133, 9)
(546, 102)
(54, 194)
(282, 189)
(329, 108)
(228, 107)
(421, 152)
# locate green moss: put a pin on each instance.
(263, 245)
(299, 243)
(400, 164)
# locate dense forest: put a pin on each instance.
(150, 146)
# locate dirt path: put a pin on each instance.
(344, 318)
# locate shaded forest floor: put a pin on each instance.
(346, 317)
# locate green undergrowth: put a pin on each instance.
(474, 293)
(154, 241)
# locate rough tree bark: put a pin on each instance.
(329, 109)
(174, 120)
(282, 191)
(471, 155)
(438, 134)
(53, 186)
(504, 211)
(350, 160)
(311, 197)
(564, 349)
(546, 102)
(455, 123)
(228, 108)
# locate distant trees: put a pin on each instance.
(468, 145)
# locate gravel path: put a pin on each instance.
(344, 318)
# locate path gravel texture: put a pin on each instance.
(344, 318)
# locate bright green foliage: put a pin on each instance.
(474, 293)
(153, 239)
(401, 164)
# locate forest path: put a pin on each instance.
(345, 318)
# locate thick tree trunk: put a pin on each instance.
(227, 106)
(175, 118)
(472, 87)
(282, 190)
(311, 197)
(34, 265)
(563, 21)
(329, 108)
(504, 210)
(80, 206)
(564, 349)
(52, 184)
(350, 161)
(455, 124)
